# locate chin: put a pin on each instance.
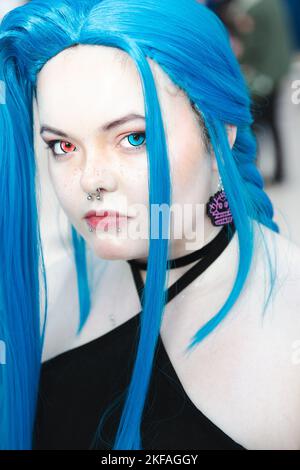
(117, 249)
(110, 249)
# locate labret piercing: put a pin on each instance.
(98, 197)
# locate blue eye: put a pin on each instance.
(136, 139)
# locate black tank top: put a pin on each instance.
(78, 386)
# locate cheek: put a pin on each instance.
(134, 179)
(65, 181)
(189, 166)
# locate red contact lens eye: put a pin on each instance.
(67, 147)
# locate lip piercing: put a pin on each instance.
(92, 230)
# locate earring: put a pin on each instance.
(217, 208)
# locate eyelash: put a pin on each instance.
(52, 143)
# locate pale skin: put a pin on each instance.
(228, 377)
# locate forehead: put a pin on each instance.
(86, 82)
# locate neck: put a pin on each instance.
(179, 250)
(178, 247)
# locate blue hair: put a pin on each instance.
(191, 45)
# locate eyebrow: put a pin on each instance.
(104, 128)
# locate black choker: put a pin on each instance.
(226, 233)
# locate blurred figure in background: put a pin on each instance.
(294, 10)
(262, 43)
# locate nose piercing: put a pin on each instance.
(98, 195)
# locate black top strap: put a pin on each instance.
(208, 253)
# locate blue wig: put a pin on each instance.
(191, 45)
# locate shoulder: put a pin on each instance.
(276, 264)
(283, 255)
(281, 320)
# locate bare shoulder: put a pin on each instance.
(283, 256)
(282, 326)
(280, 259)
(276, 264)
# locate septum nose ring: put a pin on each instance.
(97, 194)
(98, 197)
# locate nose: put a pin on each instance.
(94, 177)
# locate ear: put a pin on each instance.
(231, 134)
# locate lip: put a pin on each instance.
(104, 213)
(105, 219)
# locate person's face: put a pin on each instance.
(79, 91)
